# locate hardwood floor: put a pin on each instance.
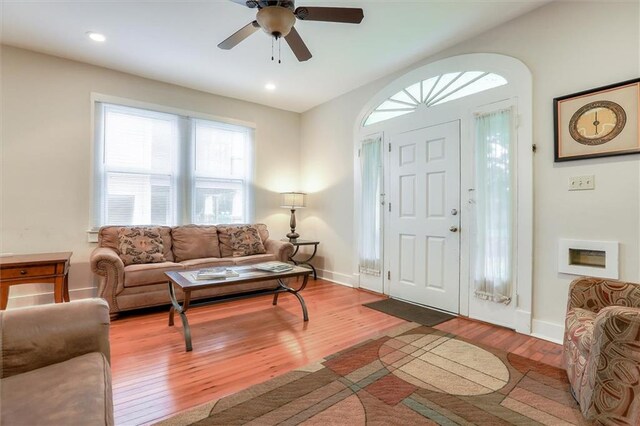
(245, 342)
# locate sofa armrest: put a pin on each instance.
(38, 336)
(106, 263)
(613, 363)
(596, 294)
(282, 249)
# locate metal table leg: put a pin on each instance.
(295, 292)
(182, 311)
(305, 262)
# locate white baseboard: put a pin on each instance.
(24, 300)
(336, 277)
(548, 331)
(523, 321)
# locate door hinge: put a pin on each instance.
(389, 207)
(389, 146)
(388, 275)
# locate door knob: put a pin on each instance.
(453, 229)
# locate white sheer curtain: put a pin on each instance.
(370, 220)
(495, 199)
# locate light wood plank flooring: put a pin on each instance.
(241, 343)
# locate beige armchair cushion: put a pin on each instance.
(195, 242)
(73, 392)
(38, 336)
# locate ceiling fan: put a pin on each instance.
(278, 17)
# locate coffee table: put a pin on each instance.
(187, 284)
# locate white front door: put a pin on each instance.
(423, 237)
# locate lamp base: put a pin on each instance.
(293, 236)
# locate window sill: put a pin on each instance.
(92, 236)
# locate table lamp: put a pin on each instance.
(293, 201)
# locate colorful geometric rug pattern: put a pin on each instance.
(413, 375)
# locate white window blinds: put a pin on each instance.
(165, 169)
(220, 190)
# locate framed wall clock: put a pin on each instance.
(598, 122)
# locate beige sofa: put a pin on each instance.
(185, 247)
(55, 365)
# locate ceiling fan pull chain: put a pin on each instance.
(272, 48)
(280, 50)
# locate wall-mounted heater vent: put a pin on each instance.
(590, 258)
(593, 258)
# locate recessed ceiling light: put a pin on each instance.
(96, 36)
(270, 87)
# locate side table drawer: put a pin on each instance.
(27, 271)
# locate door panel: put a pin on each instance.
(425, 188)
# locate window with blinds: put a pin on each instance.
(166, 169)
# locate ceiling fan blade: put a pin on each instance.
(297, 45)
(345, 15)
(239, 35)
(248, 3)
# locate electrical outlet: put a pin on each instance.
(581, 183)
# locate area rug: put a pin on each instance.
(410, 312)
(413, 375)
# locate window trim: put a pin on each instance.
(433, 97)
(184, 189)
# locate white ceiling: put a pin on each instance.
(176, 41)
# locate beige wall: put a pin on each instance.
(568, 47)
(46, 154)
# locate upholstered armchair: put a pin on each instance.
(602, 349)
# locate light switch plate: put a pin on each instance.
(581, 183)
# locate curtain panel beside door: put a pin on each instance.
(495, 204)
(370, 217)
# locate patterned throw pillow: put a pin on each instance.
(245, 241)
(140, 245)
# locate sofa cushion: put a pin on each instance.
(225, 232)
(256, 258)
(579, 324)
(263, 231)
(108, 237)
(206, 262)
(195, 242)
(68, 393)
(140, 245)
(148, 273)
(246, 241)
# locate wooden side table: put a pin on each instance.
(47, 268)
(299, 243)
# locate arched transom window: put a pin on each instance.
(434, 91)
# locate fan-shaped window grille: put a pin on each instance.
(434, 91)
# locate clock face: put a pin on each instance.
(597, 122)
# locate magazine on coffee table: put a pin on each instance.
(274, 266)
(215, 273)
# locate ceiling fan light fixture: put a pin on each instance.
(276, 20)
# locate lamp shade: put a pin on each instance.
(293, 200)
